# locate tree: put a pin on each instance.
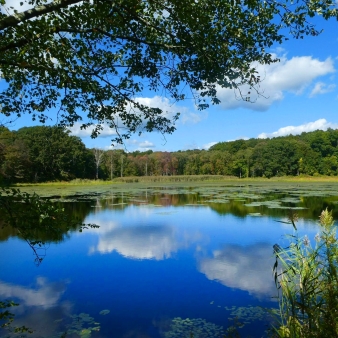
(98, 156)
(89, 60)
(14, 158)
(53, 154)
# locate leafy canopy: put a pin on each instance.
(91, 60)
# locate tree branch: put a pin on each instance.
(15, 19)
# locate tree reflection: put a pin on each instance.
(35, 220)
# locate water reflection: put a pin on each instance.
(46, 294)
(43, 322)
(148, 242)
(246, 268)
(139, 284)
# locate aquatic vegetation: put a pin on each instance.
(308, 283)
(218, 200)
(249, 314)
(104, 312)
(81, 325)
(195, 327)
(290, 200)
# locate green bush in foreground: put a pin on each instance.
(308, 283)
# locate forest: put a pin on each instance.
(43, 153)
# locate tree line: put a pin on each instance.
(43, 153)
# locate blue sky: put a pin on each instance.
(301, 94)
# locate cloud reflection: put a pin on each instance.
(150, 242)
(45, 294)
(246, 268)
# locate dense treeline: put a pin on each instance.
(38, 154)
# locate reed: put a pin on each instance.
(307, 279)
(178, 178)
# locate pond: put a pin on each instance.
(166, 261)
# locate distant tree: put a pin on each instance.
(54, 154)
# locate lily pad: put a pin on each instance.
(104, 312)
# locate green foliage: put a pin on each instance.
(39, 154)
(308, 283)
(91, 59)
(7, 318)
(43, 153)
(281, 156)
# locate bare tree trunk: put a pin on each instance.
(121, 165)
(98, 155)
(111, 167)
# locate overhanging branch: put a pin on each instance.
(15, 19)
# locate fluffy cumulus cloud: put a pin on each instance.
(146, 144)
(41, 306)
(132, 145)
(322, 88)
(151, 242)
(320, 124)
(45, 294)
(244, 268)
(170, 109)
(289, 75)
(77, 131)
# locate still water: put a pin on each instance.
(164, 262)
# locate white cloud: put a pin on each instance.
(146, 144)
(112, 147)
(170, 109)
(289, 75)
(244, 268)
(45, 295)
(208, 145)
(77, 131)
(320, 124)
(132, 145)
(188, 117)
(322, 88)
(151, 242)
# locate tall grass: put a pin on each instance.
(307, 279)
(178, 178)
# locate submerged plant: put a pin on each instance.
(307, 280)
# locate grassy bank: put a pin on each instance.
(178, 178)
(183, 178)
